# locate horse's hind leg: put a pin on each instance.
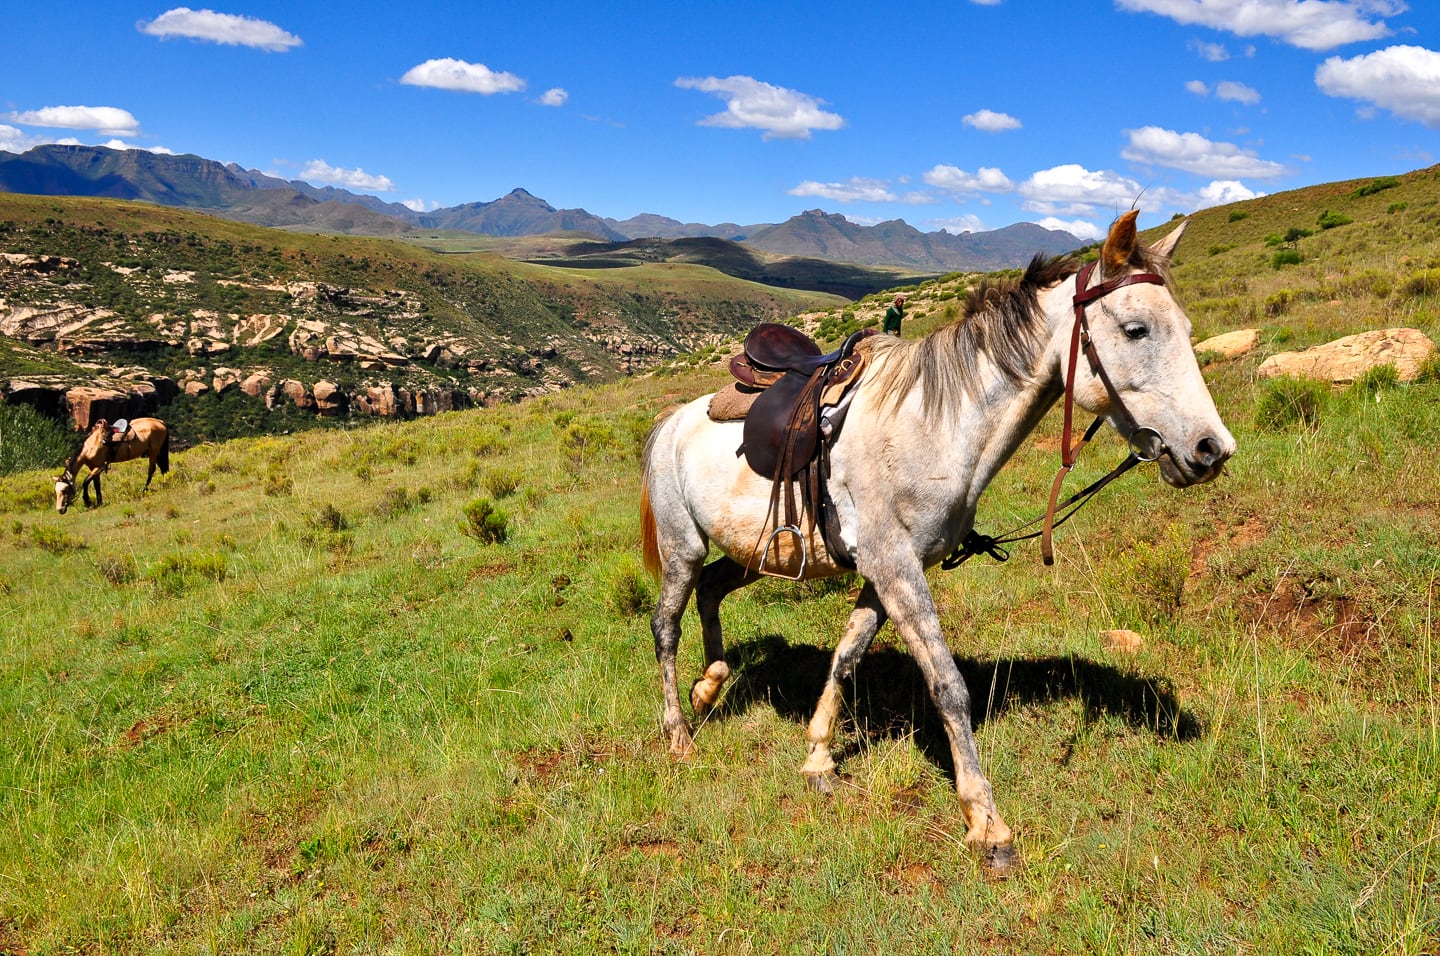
(148, 475)
(677, 581)
(865, 621)
(717, 579)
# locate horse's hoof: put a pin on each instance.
(823, 782)
(999, 862)
(682, 746)
(705, 691)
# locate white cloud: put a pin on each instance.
(420, 205)
(1214, 52)
(319, 171)
(447, 73)
(1197, 87)
(554, 97)
(108, 120)
(751, 104)
(225, 28)
(952, 179)
(955, 226)
(855, 189)
(1309, 24)
(1221, 192)
(1073, 190)
(121, 144)
(1194, 153)
(990, 121)
(1079, 228)
(1236, 93)
(1402, 79)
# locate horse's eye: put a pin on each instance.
(1136, 330)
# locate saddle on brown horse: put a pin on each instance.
(800, 396)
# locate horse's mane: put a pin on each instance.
(1000, 323)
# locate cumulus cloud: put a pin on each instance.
(952, 179)
(1214, 52)
(121, 144)
(958, 224)
(1197, 87)
(859, 189)
(752, 104)
(1220, 192)
(1193, 153)
(1079, 228)
(990, 121)
(1073, 190)
(1236, 93)
(319, 171)
(554, 97)
(224, 28)
(447, 73)
(1402, 79)
(419, 205)
(1308, 24)
(107, 120)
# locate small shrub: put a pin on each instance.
(278, 484)
(54, 540)
(1220, 248)
(118, 570)
(396, 501)
(1287, 401)
(1329, 220)
(485, 524)
(1424, 282)
(1274, 239)
(502, 482)
(1375, 186)
(628, 589)
(1236, 215)
(1294, 234)
(1285, 257)
(178, 572)
(328, 518)
(1278, 303)
(1375, 380)
(1395, 207)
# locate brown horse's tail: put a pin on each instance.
(163, 459)
(649, 539)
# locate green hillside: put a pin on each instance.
(302, 698)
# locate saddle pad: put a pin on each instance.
(732, 403)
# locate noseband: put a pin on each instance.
(1146, 444)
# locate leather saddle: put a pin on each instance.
(787, 429)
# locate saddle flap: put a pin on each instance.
(769, 429)
(748, 374)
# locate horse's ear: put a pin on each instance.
(1119, 244)
(1166, 247)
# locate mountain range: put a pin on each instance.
(230, 191)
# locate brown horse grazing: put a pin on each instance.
(102, 447)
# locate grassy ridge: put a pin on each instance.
(284, 703)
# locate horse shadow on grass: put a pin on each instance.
(887, 697)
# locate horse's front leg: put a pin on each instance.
(906, 595)
(865, 620)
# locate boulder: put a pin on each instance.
(330, 401)
(256, 384)
(1342, 361)
(1230, 344)
(225, 379)
(45, 398)
(296, 394)
(88, 404)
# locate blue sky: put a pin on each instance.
(968, 114)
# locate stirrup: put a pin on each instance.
(804, 557)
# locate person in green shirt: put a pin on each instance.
(893, 315)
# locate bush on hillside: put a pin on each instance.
(1285, 257)
(1375, 186)
(31, 440)
(485, 524)
(1329, 220)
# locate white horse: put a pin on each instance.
(931, 423)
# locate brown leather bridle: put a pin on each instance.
(1146, 444)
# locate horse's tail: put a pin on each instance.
(649, 535)
(163, 459)
(649, 538)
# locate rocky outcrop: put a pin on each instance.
(1230, 344)
(1342, 361)
(330, 400)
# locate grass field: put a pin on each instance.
(290, 702)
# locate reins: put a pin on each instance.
(1146, 444)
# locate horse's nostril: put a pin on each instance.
(1208, 452)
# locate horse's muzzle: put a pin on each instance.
(1201, 462)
